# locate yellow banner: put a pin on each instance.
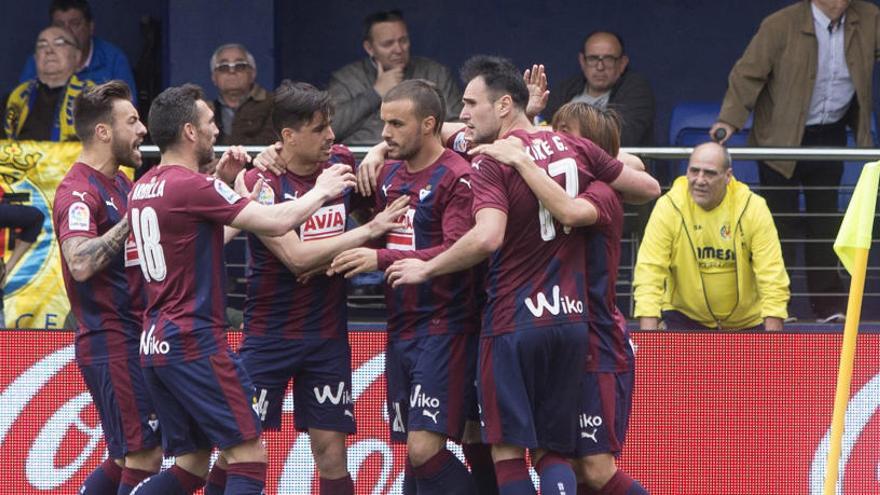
(34, 292)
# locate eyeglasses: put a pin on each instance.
(232, 67)
(594, 60)
(57, 43)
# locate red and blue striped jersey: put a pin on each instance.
(109, 305)
(438, 215)
(177, 217)
(276, 304)
(538, 276)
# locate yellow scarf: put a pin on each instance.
(22, 99)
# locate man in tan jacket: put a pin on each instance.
(806, 75)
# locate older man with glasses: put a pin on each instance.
(606, 82)
(42, 108)
(243, 109)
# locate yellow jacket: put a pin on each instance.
(667, 274)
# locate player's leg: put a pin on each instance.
(397, 384)
(443, 367)
(105, 478)
(322, 395)
(246, 470)
(216, 484)
(139, 466)
(479, 457)
(511, 470)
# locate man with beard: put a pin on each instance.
(104, 284)
(534, 334)
(297, 330)
(202, 393)
(430, 354)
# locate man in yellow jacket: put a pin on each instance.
(710, 257)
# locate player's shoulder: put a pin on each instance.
(340, 153)
(457, 165)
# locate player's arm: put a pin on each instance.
(86, 256)
(278, 219)
(569, 211)
(368, 169)
(637, 187)
(476, 245)
(449, 129)
(302, 257)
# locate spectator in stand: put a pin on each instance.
(358, 88)
(710, 257)
(99, 61)
(30, 222)
(607, 82)
(42, 108)
(807, 75)
(243, 109)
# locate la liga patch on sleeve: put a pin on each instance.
(78, 216)
(225, 192)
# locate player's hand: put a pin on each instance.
(270, 159)
(334, 180)
(387, 79)
(307, 276)
(390, 218)
(407, 271)
(721, 126)
(242, 190)
(536, 80)
(509, 151)
(368, 170)
(354, 261)
(231, 163)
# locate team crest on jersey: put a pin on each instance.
(424, 192)
(403, 238)
(266, 196)
(725, 231)
(225, 192)
(78, 216)
(329, 221)
(131, 252)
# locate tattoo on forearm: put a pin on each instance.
(95, 254)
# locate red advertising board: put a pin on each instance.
(713, 413)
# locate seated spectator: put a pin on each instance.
(42, 108)
(606, 81)
(243, 109)
(30, 222)
(710, 257)
(100, 61)
(358, 88)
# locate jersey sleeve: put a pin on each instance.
(605, 200)
(75, 213)
(213, 200)
(341, 154)
(458, 144)
(457, 220)
(489, 189)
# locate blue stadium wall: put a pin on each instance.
(685, 47)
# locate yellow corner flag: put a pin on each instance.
(852, 245)
(858, 223)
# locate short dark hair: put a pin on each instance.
(500, 76)
(610, 33)
(170, 111)
(295, 103)
(381, 16)
(95, 105)
(65, 5)
(427, 100)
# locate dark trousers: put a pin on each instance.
(809, 175)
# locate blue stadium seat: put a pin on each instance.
(689, 126)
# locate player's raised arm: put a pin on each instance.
(278, 219)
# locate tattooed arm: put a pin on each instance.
(87, 256)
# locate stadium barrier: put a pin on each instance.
(713, 413)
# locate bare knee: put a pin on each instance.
(597, 469)
(195, 462)
(149, 460)
(421, 446)
(247, 451)
(328, 449)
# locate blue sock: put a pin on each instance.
(245, 478)
(216, 481)
(513, 477)
(409, 480)
(557, 476)
(442, 474)
(479, 457)
(173, 481)
(131, 478)
(104, 480)
(622, 484)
